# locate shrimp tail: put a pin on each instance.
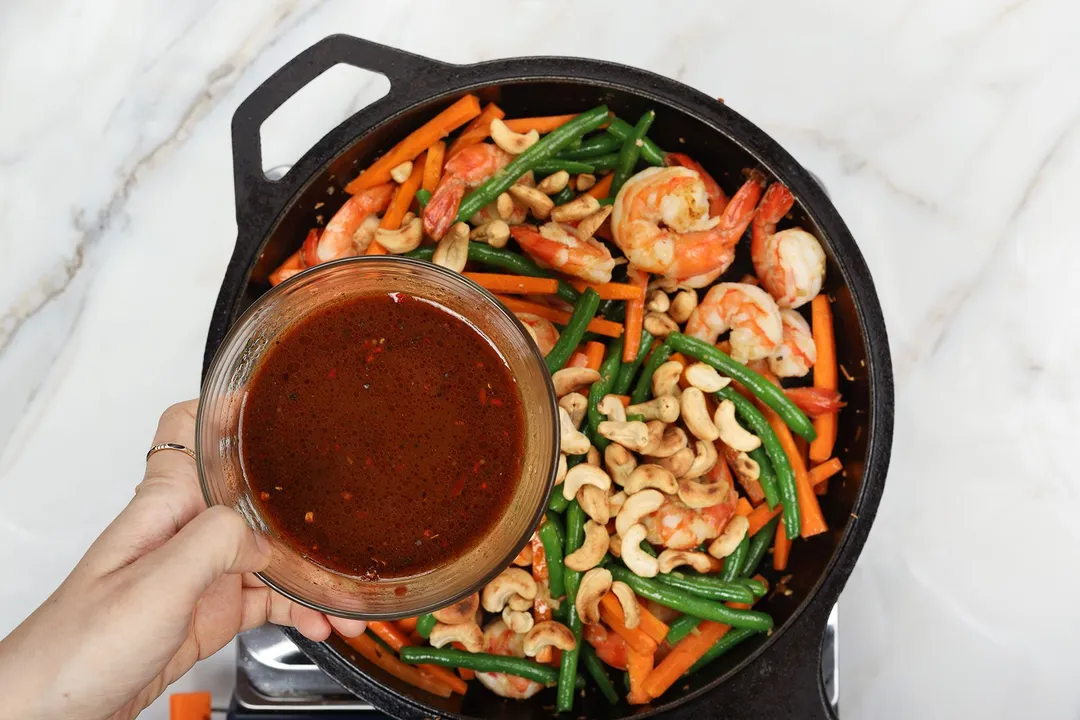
(442, 209)
(718, 200)
(815, 401)
(739, 213)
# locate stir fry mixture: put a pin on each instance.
(685, 460)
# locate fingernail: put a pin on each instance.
(265, 546)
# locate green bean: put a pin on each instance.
(505, 260)
(561, 613)
(691, 605)
(553, 553)
(575, 536)
(596, 670)
(785, 476)
(754, 586)
(764, 390)
(606, 162)
(584, 312)
(627, 371)
(635, 417)
(643, 389)
(680, 627)
(733, 563)
(601, 144)
(557, 503)
(425, 624)
(547, 147)
(732, 638)
(613, 310)
(480, 662)
(708, 587)
(759, 546)
(649, 150)
(423, 197)
(606, 201)
(608, 370)
(631, 151)
(563, 196)
(554, 165)
(766, 476)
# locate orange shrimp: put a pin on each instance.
(609, 647)
(815, 401)
(556, 245)
(796, 353)
(353, 226)
(679, 527)
(543, 332)
(747, 311)
(790, 264)
(717, 199)
(501, 640)
(468, 168)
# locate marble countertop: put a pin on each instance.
(948, 135)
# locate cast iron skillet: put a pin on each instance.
(777, 676)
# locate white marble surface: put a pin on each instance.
(947, 133)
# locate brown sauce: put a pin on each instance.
(382, 436)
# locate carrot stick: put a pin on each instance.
(190, 706)
(399, 205)
(813, 522)
(416, 142)
(636, 639)
(377, 655)
(594, 353)
(579, 360)
(824, 375)
(407, 624)
(624, 399)
(781, 548)
(514, 284)
(596, 325)
(292, 265)
(612, 291)
(687, 652)
(436, 154)
(477, 130)
(396, 638)
(743, 507)
(602, 188)
(824, 471)
(640, 666)
(539, 124)
(761, 516)
(651, 625)
(635, 316)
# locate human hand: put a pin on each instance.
(166, 584)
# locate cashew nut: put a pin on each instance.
(657, 301)
(548, 634)
(615, 546)
(705, 457)
(679, 464)
(705, 378)
(640, 562)
(504, 206)
(462, 611)
(510, 141)
(629, 603)
(745, 467)
(659, 324)
(520, 621)
(571, 441)
(539, 204)
(554, 183)
(585, 181)
(468, 634)
(594, 586)
(665, 381)
(612, 408)
(650, 476)
(637, 506)
(577, 209)
(495, 233)
(404, 239)
(400, 173)
(518, 603)
(664, 408)
(576, 405)
(684, 303)
(591, 223)
(584, 474)
(671, 559)
(697, 494)
(570, 379)
(593, 457)
(560, 472)
(696, 416)
(511, 581)
(671, 441)
(620, 462)
(733, 534)
(592, 551)
(633, 435)
(453, 250)
(615, 503)
(731, 432)
(594, 502)
(655, 429)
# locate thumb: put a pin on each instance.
(216, 542)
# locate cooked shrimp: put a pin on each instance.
(789, 263)
(796, 353)
(609, 647)
(353, 225)
(501, 640)
(815, 401)
(543, 332)
(468, 168)
(717, 199)
(676, 526)
(662, 223)
(293, 264)
(747, 311)
(557, 246)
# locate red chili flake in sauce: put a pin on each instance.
(264, 495)
(483, 395)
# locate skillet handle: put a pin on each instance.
(401, 68)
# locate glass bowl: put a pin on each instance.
(218, 433)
